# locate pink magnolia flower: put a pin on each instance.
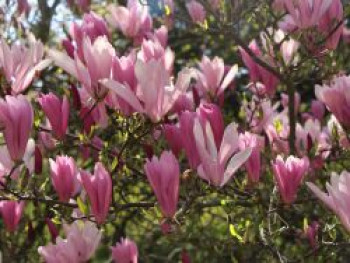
(64, 177)
(20, 64)
(208, 112)
(277, 131)
(92, 27)
(196, 11)
(253, 165)
(311, 233)
(337, 198)
(82, 240)
(99, 190)
(218, 164)
(317, 110)
(125, 251)
(288, 175)
(329, 23)
(16, 117)
(336, 97)
(288, 50)
(174, 136)
(11, 212)
(212, 78)
(322, 15)
(57, 111)
(97, 65)
(155, 89)
(304, 14)
(133, 21)
(256, 72)
(164, 177)
(153, 50)
(161, 35)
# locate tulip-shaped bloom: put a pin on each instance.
(338, 197)
(196, 11)
(82, 240)
(164, 177)
(218, 164)
(288, 175)
(96, 65)
(288, 50)
(57, 112)
(134, 20)
(253, 165)
(16, 117)
(208, 112)
(336, 97)
(20, 64)
(125, 251)
(212, 77)
(11, 212)
(155, 90)
(64, 177)
(99, 190)
(174, 136)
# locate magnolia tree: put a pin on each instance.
(175, 131)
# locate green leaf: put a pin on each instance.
(82, 206)
(234, 233)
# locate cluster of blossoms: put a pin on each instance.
(185, 110)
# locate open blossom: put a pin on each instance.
(16, 117)
(196, 11)
(97, 65)
(125, 251)
(288, 175)
(99, 190)
(218, 164)
(64, 177)
(253, 165)
(18, 74)
(82, 240)
(164, 177)
(133, 21)
(11, 212)
(336, 97)
(338, 197)
(155, 89)
(211, 76)
(57, 111)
